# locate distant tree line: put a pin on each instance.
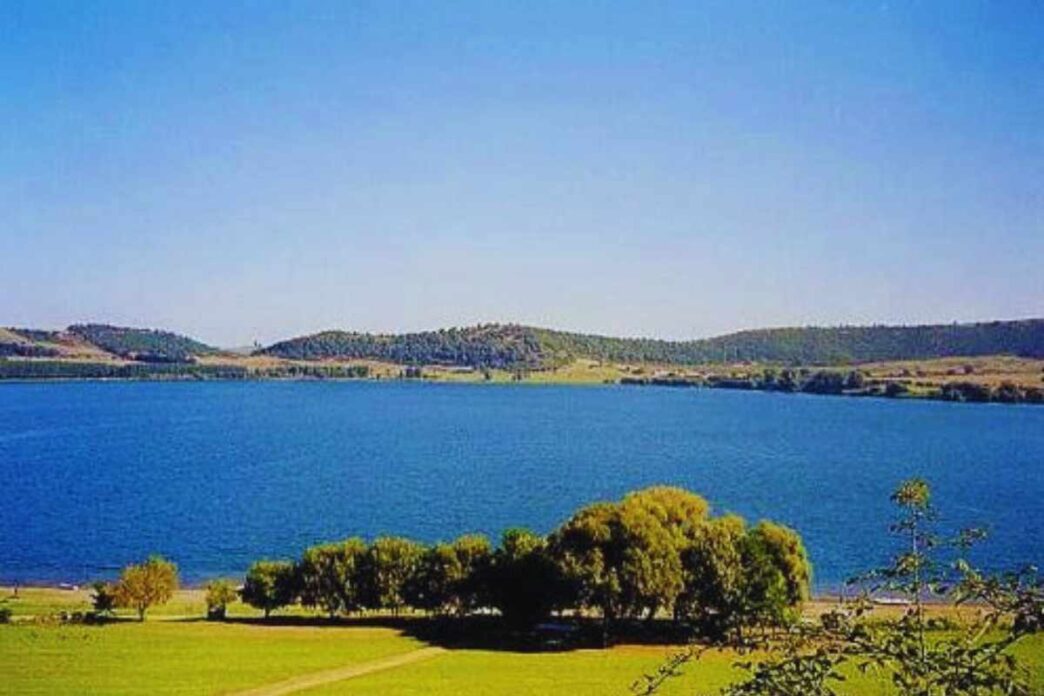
(513, 346)
(314, 372)
(1005, 392)
(657, 552)
(851, 383)
(54, 369)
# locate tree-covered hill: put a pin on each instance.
(145, 345)
(524, 347)
(494, 345)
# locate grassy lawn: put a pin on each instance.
(576, 673)
(173, 656)
(463, 673)
(178, 657)
(168, 655)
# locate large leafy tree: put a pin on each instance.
(523, 581)
(433, 585)
(330, 576)
(680, 512)
(147, 584)
(270, 585)
(390, 563)
(714, 577)
(776, 575)
(620, 558)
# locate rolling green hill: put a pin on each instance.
(515, 346)
(145, 345)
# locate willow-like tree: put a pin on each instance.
(390, 563)
(330, 576)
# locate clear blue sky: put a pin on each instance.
(260, 170)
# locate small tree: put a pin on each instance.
(220, 593)
(270, 585)
(147, 584)
(103, 598)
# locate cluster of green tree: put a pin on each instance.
(657, 551)
(57, 369)
(851, 383)
(145, 345)
(805, 380)
(510, 346)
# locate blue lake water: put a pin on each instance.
(215, 475)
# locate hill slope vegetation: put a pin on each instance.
(525, 347)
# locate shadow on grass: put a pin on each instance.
(489, 632)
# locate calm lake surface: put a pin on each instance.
(215, 475)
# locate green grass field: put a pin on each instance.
(178, 657)
(174, 652)
(172, 656)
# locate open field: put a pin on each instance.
(172, 656)
(178, 657)
(176, 652)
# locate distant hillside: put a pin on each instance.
(515, 347)
(494, 345)
(101, 341)
(524, 347)
(145, 345)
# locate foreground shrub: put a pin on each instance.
(220, 593)
(968, 659)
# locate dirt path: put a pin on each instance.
(329, 676)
